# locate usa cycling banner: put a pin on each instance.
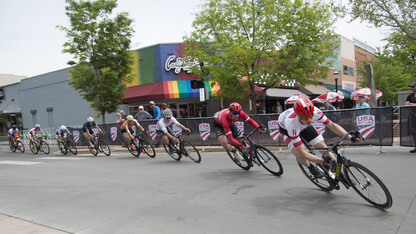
(366, 125)
(274, 129)
(204, 131)
(176, 129)
(76, 135)
(95, 130)
(113, 131)
(152, 131)
(240, 126)
(320, 127)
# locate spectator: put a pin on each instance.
(361, 105)
(279, 108)
(331, 114)
(156, 110)
(123, 116)
(142, 114)
(411, 101)
(118, 119)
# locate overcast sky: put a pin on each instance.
(30, 43)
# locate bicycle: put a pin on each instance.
(182, 148)
(257, 154)
(144, 147)
(66, 145)
(16, 144)
(98, 145)
(38, 144)
(353, 174)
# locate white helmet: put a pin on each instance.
(37, 125)
(129, 117)
(90, 119)
(63, 127)
(167, 113)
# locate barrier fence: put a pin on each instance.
(407, 125)
(375, 124)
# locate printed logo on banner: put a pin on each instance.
(134, 129)
(76, 135)
(152, 131)
(366, 125)
(320, 127)
(204, 131)
(95, 130)
(274, 129)
(240, 125)
(113, 131)
(176, 129)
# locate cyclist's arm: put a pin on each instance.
(337, 129)
(184, 128)
(230, 137)
(99, 129)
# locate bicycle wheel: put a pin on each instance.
(12, 146)
(244, 162)
(147, 148)
(172, 151)
(268, 160)
(368, 185)
(71, 147)
(190, 151)
(20, 146)
(33, 147)
(104, 148)
(322, 183)
(92, 149)
(133, 150)
(62, 148)
(44, 147)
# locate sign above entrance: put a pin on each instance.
(179, 64)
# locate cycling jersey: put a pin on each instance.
(291, 124)
(223, 119)
(89, 127)
(34, 132)
(61, 132)
(126, 126)
(162, 125)
(12, 132)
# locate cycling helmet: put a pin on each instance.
(235, 107)
(37, 125)
(303, 107)
(90, 119)
(167, 113)
(63, 127)
(129, 117)
(13, 126)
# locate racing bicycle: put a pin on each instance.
(144, 147)
(16, 144)
(98, 145)
(350, 174)
(182, 148)
(66, 145)
(256, 154)
(38, 144)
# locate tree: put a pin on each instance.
(101, 48)
(243, 42)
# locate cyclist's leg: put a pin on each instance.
(87, 138)
(221, 138)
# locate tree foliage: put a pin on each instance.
(101, 49)
(243, 42)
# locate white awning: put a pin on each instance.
(283, 93)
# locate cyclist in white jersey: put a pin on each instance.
(33, 133)
(297, 122)
(163, 125)
(11, 134)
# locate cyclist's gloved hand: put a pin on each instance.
(354, 139)
(146, 132)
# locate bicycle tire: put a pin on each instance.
(190, 151)
(172, 153)
(104, 147)
(62, 148)
(93, 150)
(12, 147)
(71, 147)
(244, 163)
(148, 148)
(133, 151)
(20, 146)
(34, 147)
(321, 183)
(268, 160)
(368, 188)
(44, 146)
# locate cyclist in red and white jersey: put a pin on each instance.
(297, 122)
(33, 133)
(225, 128)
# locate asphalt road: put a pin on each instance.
(124, 194)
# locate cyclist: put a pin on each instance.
(11, 134)
(163, 127)
(61, 133)
(225, 128)
(297, 121)
(33, 133)
(88, 126)
(127, 131)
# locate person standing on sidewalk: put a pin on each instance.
(411, 101)
(156, 110)
(142, 114)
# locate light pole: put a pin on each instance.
(336, 73)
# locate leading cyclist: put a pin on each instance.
(297, 122)
(224, 127)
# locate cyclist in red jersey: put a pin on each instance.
(225, 128)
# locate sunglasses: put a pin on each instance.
(236, 113)
(307, 117)
(168, 117)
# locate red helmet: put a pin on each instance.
(235, 107)
(303, 107)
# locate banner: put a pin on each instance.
(366, 125)
(320, 127)
(75, 133)
(152, 131)
(113, 131)
(204, 131)
(176, 129)
(274, 129)
(240, 126)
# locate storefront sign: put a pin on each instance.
(179, 64)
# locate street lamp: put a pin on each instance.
(336, 73)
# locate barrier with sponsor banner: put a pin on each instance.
(377, 128)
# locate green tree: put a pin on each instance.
(101, 49)
(243, 42)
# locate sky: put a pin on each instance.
(31, 45)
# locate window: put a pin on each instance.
(349, 71)
(34, 119)
(50, 116)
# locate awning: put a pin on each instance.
(314, 89)
(343, 91)
(283, 93)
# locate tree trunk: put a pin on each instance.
(103, 116)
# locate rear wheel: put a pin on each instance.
(190, 151)
(33, 147)
(269, 161)
(171, 150)
(147, 148)
(44, 147)
(12, 146)
(243, 162)
(62, 148)
(368, 185)
(104, 148)
(322, 183)
(71, 147)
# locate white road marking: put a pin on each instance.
(66, 158)
(24, 163)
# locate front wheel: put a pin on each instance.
(20, 146)
(322, 183)
(147, 148)
(268, 160)
(93, 149)
(12, 146)
(62, 148)
(104, 148)
(33, 147)
(44, 147)
(190, 151)
(242, 161)
(368, 185)
(132, 150)
(71, 147)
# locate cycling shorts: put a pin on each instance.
(219, 130)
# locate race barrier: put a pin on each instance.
(407, 125)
